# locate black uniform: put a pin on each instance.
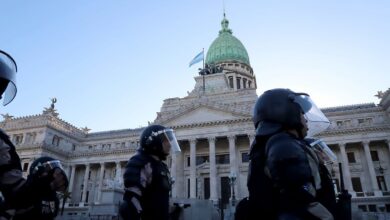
(44, 209)
(280, 181)
(17, 191)
(147, 181)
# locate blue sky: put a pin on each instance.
(110, 64)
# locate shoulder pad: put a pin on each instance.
(132, 174)
(138, 160)
(283, 145)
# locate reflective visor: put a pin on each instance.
(171, 138)
(50, 165)
(316, 120)
(324, 152)
(8, 71)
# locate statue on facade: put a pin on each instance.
(210, 69)
(380, 95)
(51, 110)
(7, 117)
(85, 129)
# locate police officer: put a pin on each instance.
(283, 178)
(47, 205)
(147, 179)
(17, 191)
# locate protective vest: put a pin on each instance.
(154, 199)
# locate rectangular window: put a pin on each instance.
(362, 208)
(25, 167)
(222, 159)
(238, 82)
(339, 123)
(356, 184)
(18, 139)
(374, 155)
(360, 121)
(188, 188)
(206, 184)
(56, 140)
(351, 157)
(245, 157)
(188, 161)
(244, 83)
(387, 207)
(249, 83)
(372, 208)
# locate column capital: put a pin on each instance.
(366, 143)
(211, 138)
(192, 141)
(231, 137)
(87, 164)
(250, 136)
(342, 144)
(102, 163)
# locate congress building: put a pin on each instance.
(214, 128)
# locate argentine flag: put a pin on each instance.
(197, 58)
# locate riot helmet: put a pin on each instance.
(8, 71)
(282, 108)
(44, 164)
(156, 138)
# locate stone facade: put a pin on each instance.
(214, 128)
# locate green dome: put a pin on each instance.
(226, 47)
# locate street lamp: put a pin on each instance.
(232, 179)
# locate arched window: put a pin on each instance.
(231, 82)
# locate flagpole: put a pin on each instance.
(204, 71)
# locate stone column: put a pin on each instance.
(345, 167)
(118, 171)
(85, 183)
(100, 182)
(68, 169)
(213, 170)
(371, 169)
(251, 139)
(193, 168)
(235, 82)
(388, 145)
(173, 173)
(233, 162)
(71, 180)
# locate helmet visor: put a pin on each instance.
(316, 120)
(169, 136)
(49, 165)
(9, 93)
(324, 152)
(8, 71)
